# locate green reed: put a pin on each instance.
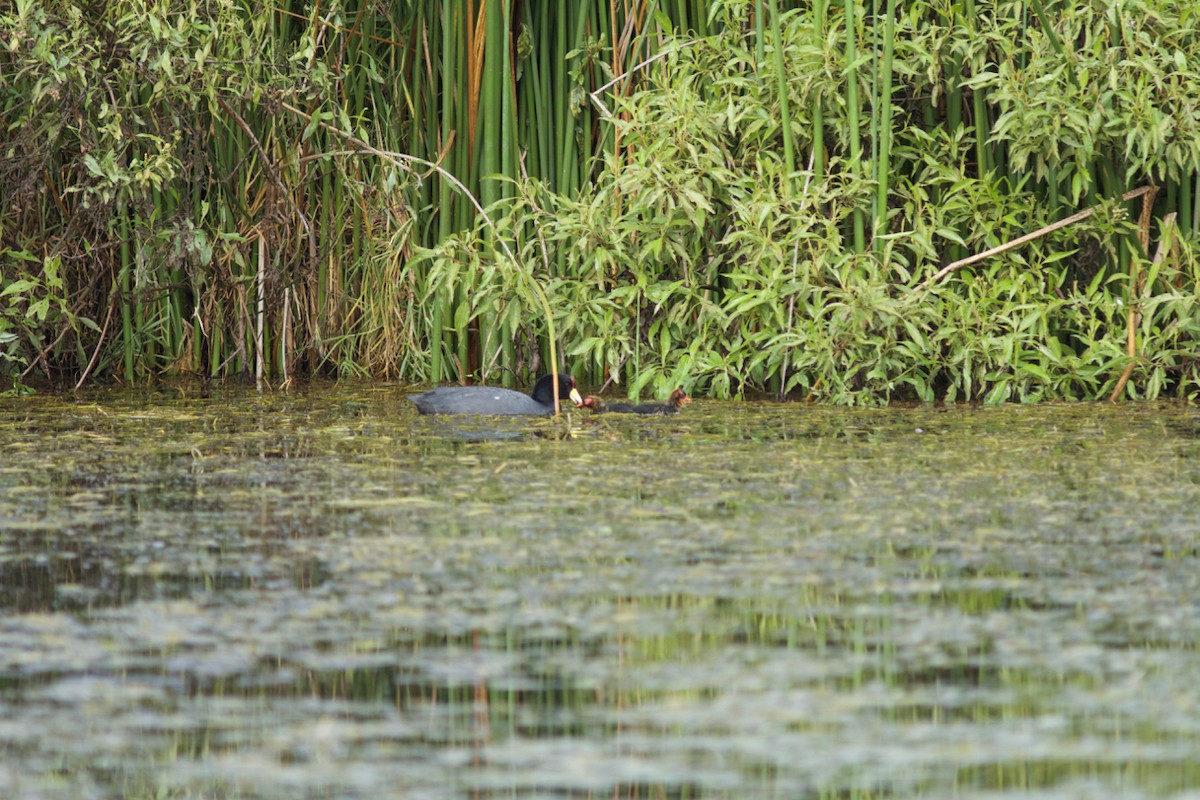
(669, 220)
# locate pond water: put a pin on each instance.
(322, 595)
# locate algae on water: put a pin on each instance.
(272, 597)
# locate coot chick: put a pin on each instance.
(494, 400)
(677, 400)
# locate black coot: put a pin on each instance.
(677, 400)
(493, 400)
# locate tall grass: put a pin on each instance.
(669, 221)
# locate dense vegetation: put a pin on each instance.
(221, 187)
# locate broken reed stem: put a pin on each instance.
(795, 262)
(596, 94)
(1029, 237)
(258, 333)
(1144, 218)
(1133, 317)
(285, 333)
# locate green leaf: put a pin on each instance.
(19, 286)
(38, 310)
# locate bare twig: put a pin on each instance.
(41, 354)
(274, 175)
(112, 305)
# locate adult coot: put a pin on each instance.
(493, 400)
(677, 400)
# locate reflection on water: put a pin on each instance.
(324, 595)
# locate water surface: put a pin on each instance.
(323, 595)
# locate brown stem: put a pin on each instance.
(1133, 316)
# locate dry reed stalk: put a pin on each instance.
(1029, 237)
(1134, 318)
(258, 332)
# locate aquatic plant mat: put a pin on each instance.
(322, 595)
